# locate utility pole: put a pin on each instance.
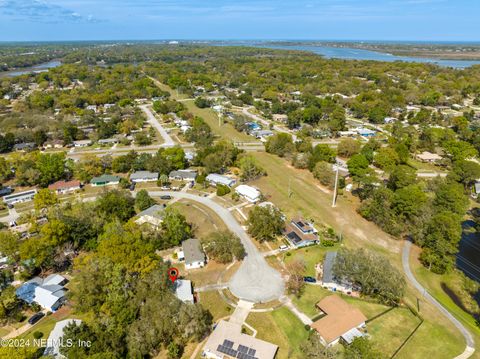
(334, 201)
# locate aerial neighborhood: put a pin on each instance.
(203, 201)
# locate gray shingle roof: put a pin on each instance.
(192, 251)
(154, 211)
(328, 276)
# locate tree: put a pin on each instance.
(280, 144)
(460, 150)
(312, 348)
(5, 171)
(408, 201)
(223, 247)
(55, 232)
(451, 197)
(143, 200)
(323, 171)
(348, 147)
(175, 228)
(9, 244)
(361, 348)
(249, 168)
(296, 271)
(265, 223)
(51, 167)
(202, 102)
(402, 176)
(465, 172)
(322, 153)
(386, 158)
(88, 167)
(374, 273)
(116, 204)
(44, 199)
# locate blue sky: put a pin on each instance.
(439, 20)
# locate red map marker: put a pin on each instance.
(173, 274)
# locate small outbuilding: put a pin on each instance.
(193, 254)
(183, 290)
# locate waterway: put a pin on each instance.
(34, 69)
(348, 53)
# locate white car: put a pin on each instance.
(283, 247)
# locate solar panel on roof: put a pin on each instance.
(294, 237)
(243, 349)
(228, 343)
(251, 352)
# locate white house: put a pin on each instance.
(54, 341)
(152, 215)
(20, 197)
(215, 179)
(250, 193)
(183, 290)
(62, 187)
(193, 254)
(143, 176)
(82, 143)
(183, 175)
(49, 292)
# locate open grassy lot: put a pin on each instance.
(210, 274)
(390, 330)
(203, 219)
(282, 328)
(314, 202)
(314, 293)
(215, 304)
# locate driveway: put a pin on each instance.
(255, 280)
(470, 348)
(152, 120)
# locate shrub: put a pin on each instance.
(222, 190)
(37, 334)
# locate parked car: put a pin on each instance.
(283, 247)
(309, 279)
(166, 197)
(35, 318)
(132, 187)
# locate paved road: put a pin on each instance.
(255, 280)
(12, 216)
(470, 348)
(152, 120)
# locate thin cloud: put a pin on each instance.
(41, 11)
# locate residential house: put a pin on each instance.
(144, 176)
(261, 133)
(429, 157)
(20, 197)
(183, 291)
(4, 191)
(92, 108)
(193, 254)
(365, 132)
(105, 180)
(228, 341)
(329, 280)
(49, 292)
(183, 175)
(280, 118)
(108, 141)
(301, 233)
(62, 187)
(82, 143)
(24, 146)
(216, 179)
(250, 193)
(55, 339)
(341, 321)
(152, 215)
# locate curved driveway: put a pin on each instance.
(470, 348)
(255, 280)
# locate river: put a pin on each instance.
(348, 53)
(34, 69)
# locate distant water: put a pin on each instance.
(348, 53)
(34, 69)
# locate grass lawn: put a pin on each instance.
(203, 219)
(310, 255)
(215, 304)
(282, 328)
(209, 274)
(390, 330)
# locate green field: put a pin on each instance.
(215, 304)
(282, 328)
